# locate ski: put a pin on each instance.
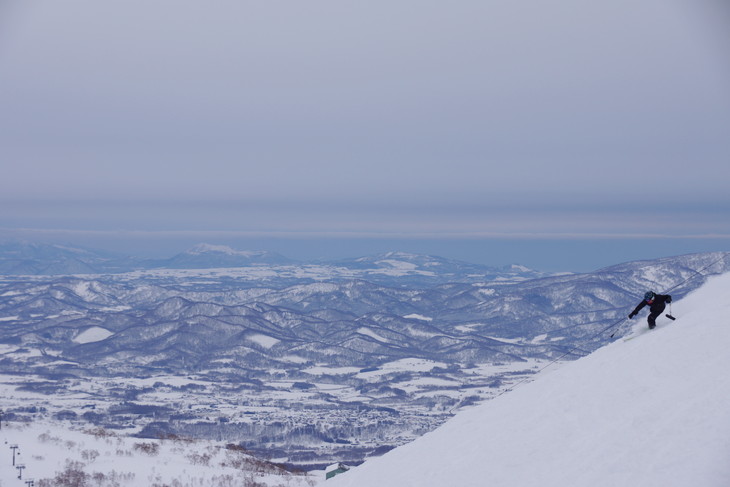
(636, 335)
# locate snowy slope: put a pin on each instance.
(652, 411)
(53, 455)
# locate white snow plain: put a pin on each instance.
(93, 334)
(651, 412)
(54, 455)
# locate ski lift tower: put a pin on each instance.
(15, 449)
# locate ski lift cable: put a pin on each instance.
(697, 273)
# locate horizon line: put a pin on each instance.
(293, 235)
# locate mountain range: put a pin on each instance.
(391, 268)
(308, 362)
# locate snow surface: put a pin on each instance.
(322, 369)
(93, 334)
(416, 316)
(265, 341)
(648, 412)
(405, 364)
(109, 460)
(368, 332)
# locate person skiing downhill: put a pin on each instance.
(656, 302)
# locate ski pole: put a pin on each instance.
(620, 322)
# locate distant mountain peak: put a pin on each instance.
(20, 257)
(205, 255)
(205, 248)
(400, 255)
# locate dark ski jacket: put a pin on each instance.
(656, 307)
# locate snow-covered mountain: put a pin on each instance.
(207, 256)
(652, 411)
(256, 267)
(311, 372)
(432, 269)
(32, 258)
(187, 362)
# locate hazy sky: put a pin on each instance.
(412, 120)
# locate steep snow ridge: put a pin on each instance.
(651, 412)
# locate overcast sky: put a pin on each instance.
(471, 119)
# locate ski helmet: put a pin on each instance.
(649, 295)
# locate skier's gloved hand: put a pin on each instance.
(669, 299)
(632, 315)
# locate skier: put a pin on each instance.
(656, 302)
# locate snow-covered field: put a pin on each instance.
(51, 455)
(652, 411)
